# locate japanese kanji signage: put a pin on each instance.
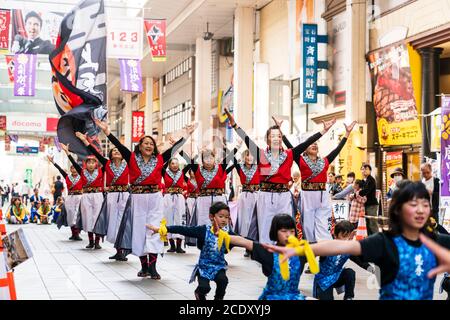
(137, 126)
(24, 74)
(393, 97)
(394, 160)
(5, 19)
(341, 209)
(445, 147)
(156, 34)
(309, 63)
(130, 75)
(125, 38)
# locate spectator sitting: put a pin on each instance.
(36, 197)
(17, 212)
(43, 212)
(34, 211)
(56, 209)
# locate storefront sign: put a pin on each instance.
(130, 75)
(24, 74)
(351, 157)
(125, 39)
(137, 126)
(393, 98)
(156, 34)
(309, 63)
(341, 209)
(5, 19)
(2, 122)
(445, 148)
(26, 123)
(393, 160)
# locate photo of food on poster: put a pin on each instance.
(34, 32)
(393, 96)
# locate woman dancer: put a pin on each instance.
(73, 200)
(92, 198)
(315, 201)
(275, 169)
(145, 164)
(117, 176)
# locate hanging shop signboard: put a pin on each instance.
(137, 126)
(156, 34)
(125, 38)
(393, 97)
(25, 74)
(445, 148)
(309, 63)
(393, 160)
(130, 75)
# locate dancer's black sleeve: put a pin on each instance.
(197, 232)
(190, 162)
(359, 262)
(333, 154)
(251, 145)
(287, 142)
(126, 153)
(264, 257)
(186, 169)
(229, 156)
(75, 165)
(298, 150)
(168, 154)
(100, 158)
(63, 173)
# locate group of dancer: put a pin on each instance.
(137, 201)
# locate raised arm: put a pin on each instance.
(72, 160)
(171, 151)
(126, 153)
(63, 173)
(190, 162)
(333, 154)
(251, 145)
(91, 148)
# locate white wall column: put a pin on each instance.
(243, 66)
(127, 119)
(203, 134)
(148, 111)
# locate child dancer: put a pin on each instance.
(403, 260)
(72, 203)
(332, 273)
(146, 206)
(117, 177)
(275, 165)
(92, 198)
(277, 288)
(211, 265)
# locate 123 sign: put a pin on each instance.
(125, 38)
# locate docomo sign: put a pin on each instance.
(30, 123)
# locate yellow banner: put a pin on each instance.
(399, 133)
(351, 157)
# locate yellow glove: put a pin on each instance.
(163, 230)
(222, 235)
(302, 248)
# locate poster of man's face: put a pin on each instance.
(34, 32)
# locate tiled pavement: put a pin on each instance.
(64, 270)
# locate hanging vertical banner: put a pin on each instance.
(5, 20)
(10, 64)
(57, 145)
(3, 123)
(309, 63)
(445, 147)
(130, 75)
(25, 74)
(393, 97)
(125, 38)
(137, 126)
(156, 34)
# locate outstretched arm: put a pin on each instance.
(63, 173)
(75, 164)
(126, 153)
(171, 151)
(333, 154)
(251, 145)
(239, 241)
(190, 162)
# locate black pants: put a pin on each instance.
(4, 199)
(221, 281)
(347, 279)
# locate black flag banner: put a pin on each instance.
(79, 74)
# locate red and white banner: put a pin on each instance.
(137, 126)
(52, 124)
(10, 64)
(156, 34)
(5, 22)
